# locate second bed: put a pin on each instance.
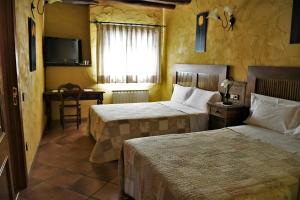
(112, 124)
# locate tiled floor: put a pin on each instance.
(61, 169)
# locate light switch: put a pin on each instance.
(234, 96)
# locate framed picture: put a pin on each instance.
(201, 26)
(32, 44)
(295, 29)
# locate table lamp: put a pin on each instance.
(227, 84)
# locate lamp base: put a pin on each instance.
(228, 103)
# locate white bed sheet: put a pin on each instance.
(198, 118)
(279, 140)
(114, 112)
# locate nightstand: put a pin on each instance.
(221, 116)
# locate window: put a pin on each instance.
(128, 54)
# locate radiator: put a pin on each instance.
(130, 96)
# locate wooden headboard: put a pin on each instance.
(281, 82)
(207, 77)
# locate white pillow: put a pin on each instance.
(278, 117)
(181, 93)
(255, 96)
(297, 133)
(288, 102)
(200, 98)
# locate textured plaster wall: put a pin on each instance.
(30, 83)
(260, 37)
(116, 12)
(69, 21)
(65, 20)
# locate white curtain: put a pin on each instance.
(128, 54)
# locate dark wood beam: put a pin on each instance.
(171, 1)
(149, 3)
(169, 4)
(82, 2)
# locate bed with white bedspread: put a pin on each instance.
(110, 125)
(194, 86)
(227, 163)
(257, 161)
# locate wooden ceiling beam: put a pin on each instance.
(82, 2)
(171, 1)
(149, 3)
(169, 4)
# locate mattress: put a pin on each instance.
(111, 124)
(229, 163)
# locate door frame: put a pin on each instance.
(12, 108)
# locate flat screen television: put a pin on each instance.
(62, 51)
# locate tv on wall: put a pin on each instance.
(62, 51)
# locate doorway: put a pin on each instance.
(13, 172)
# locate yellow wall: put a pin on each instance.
(66, 20)
(260, 37)
(30, 83)
(69, 21)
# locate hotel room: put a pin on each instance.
(149, 99)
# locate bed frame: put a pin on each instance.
(281, 82)
(207, 77)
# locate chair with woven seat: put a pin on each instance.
(70, 96)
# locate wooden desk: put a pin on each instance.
(54, 96)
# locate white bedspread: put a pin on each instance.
(111, 124)
(229, 163)
(114, 112)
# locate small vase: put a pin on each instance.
(226, 97)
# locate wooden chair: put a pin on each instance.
(70, 95)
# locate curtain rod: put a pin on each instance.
(127, 24)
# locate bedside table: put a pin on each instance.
(221, 116)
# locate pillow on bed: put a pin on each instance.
(255, 96)
(297, 133)
(260, 97)
(200, 98)
(278, 117)
(181, 93)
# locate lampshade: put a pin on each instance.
(226, 83)
(214, 14)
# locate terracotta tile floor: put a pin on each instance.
(61, 169)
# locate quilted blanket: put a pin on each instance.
(111, 124)
(218, 164)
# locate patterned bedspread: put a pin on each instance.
(111, 124)
(218, 164)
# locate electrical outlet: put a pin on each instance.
(234, 96)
